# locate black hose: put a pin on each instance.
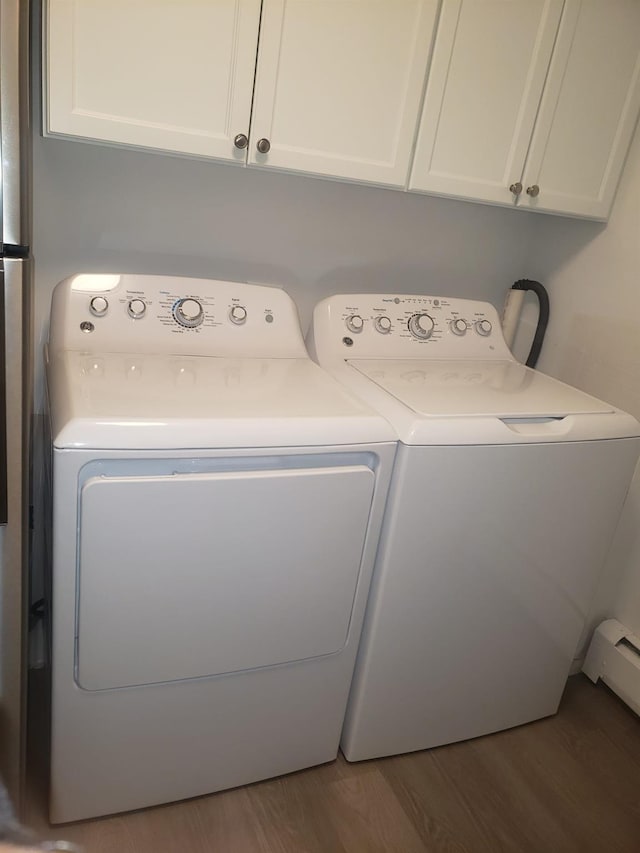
(543, 316)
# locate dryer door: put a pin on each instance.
(191, 575)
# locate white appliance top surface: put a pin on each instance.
(115, 400)
(439, 370)
(504, 389)
(157, 362)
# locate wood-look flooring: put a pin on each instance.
(567, 784)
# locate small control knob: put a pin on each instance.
(421, 326)
(238, 314)
(188, 312)
(484, 327)
(98, 306)
(458, 326)
(383, 324)
(355, 323)
(136, 308)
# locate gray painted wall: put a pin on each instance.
(98, 208)
(593, 342)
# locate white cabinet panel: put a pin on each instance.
(175, 75)
(588, 110)
(338, 85)
(520, 93)
(488, 71)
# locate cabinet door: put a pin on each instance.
(588, 111)
(175, 74)
(338, 86)
(487, 74)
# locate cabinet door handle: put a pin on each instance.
(263, 146)
(241, 141)
(516, 188)
(533, 190)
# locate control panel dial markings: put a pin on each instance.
(136, 309)
(421, 326)
(383, 324)
(458, 326)
(354, 323)
(188, 312)
(238, 314)
(483, 328)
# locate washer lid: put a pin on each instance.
(503, 389)
(121, 401)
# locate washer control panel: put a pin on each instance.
(367, 325)
(166, 314)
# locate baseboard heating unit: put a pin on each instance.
(614, 656)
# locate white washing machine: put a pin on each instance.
(217, 505)
(506, 491)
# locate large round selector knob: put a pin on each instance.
(458, 326)
(238, 314)
(421, 326)
(484, 327)
(355, 323)
(188, 312)
(383, 324)
(98, 306)
(136, 308)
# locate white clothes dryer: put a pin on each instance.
(506, 491)
(217, 501)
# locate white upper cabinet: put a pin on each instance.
(339, 85)
(487, 75)
(531, 103)
(170, 74)
(526, 103)
(588, 110)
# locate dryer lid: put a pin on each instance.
(145, 401)
(502, 389)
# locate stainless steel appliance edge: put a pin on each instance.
(15, 283)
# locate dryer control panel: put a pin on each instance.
(371, 325)
(166, 314)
